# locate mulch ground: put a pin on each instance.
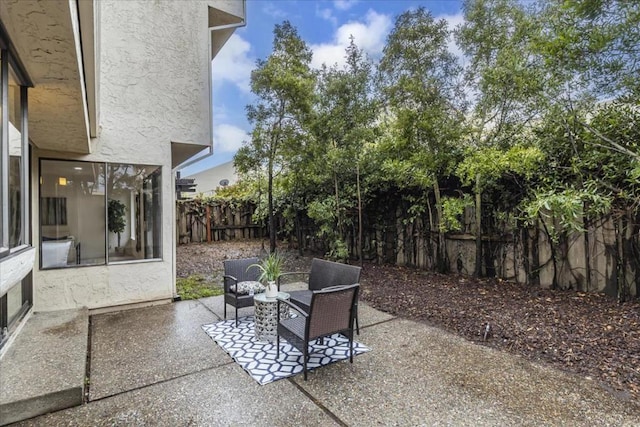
(584, 333)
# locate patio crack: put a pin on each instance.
(162, 381)
(87, 366)
(323, 408)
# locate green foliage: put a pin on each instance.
(492, 163)
(116, 221)
(452, 211)
(418, 81)
(564, 210)
(323, 213)
(270, 267)
(283, 84)
(535, 137)
(338, 251)
(196, 286)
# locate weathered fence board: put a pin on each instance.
(603, 258)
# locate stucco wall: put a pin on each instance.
(154, 89)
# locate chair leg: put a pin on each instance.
(224, 303)
(278, 347)
(305, 356)
(236, 316)
(351, 347)
(357, 325)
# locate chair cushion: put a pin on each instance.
(245, 287)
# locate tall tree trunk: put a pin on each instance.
(534, 271)
(359, 213)
(587, 281)
(621, 263)
(478, 270)
(272, 218)
(441, 248)
(338, 216)
(299, 234)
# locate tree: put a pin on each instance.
(116, 217)
(344, 116)
(283, 85)
(419, 82)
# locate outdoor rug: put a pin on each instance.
(259, 358)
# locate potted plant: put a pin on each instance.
(116, 220)
(270, 269)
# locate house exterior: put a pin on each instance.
(209, 180)
(101, 101)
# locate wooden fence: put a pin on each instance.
(603, 258)
(213, 223)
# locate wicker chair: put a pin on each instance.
(324, 274)
(331, 311)
(236, 271)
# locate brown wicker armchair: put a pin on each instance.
(331, 311)
(237, 271)
(324, 274)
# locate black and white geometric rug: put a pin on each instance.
(259, 358)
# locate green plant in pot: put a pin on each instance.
(116, 218)
(270, 269)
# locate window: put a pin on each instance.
(72, 208)
(16, 297)
(134, 212)
(15, 162)
(97, 213)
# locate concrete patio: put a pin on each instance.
(156, 366)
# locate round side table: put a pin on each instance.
(266, 315)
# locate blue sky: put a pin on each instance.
(325, 26)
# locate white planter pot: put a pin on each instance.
(272, 290)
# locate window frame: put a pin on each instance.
(9, 60)
(107, 256)
(10, 63)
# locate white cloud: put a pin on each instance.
(228, 138)
(344, 4)
(369, 36)
(453, 21)
(233, 64)
(271, 10)
(327, 15)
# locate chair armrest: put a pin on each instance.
(331, 288)
(225, 282)
(296, 307)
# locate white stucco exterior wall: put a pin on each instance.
(154, 85)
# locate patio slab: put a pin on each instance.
(215, 305)
(136, 348)
(419, 375)
(156, 366)
(44, 369)
(220, 396)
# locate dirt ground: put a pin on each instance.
(587, 334)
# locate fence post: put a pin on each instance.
(208, 224)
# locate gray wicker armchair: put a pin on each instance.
(237, 271)
(331, 311)
(324, 274)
